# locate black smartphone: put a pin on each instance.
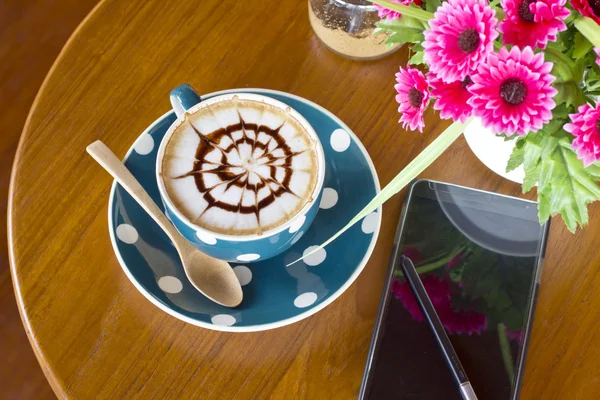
(479, 256)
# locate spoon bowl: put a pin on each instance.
(212, 277)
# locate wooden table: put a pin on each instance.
(30, 39)
(97, 337)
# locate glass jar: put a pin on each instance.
(346, 27)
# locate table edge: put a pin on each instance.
(55, 384)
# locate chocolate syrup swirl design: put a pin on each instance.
(246, 162)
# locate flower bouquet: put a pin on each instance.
(529, 69)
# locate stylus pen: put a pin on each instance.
(412, 276)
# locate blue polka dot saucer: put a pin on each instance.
(274, 294)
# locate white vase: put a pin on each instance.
(492, 150)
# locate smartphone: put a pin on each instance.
(479, 256)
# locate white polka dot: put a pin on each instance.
(243, 274)
(297, 237)
(305, 300)
(206, 237)
(340, 140)
(248, 257)
(329, 198)
(316, 258)
(223, 319)
(144, 144)
(297, 224)
(274, 239)
(127, 233)
(369, 224)
(170, 284)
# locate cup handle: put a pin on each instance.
(183, 98)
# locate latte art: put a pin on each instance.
(240, 167)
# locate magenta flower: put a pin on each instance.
(533, 23)
(585, 126)
(513, 335)
(454, 261)
(512, 92)
(451, 98)
(391, 14)
(597, 50)
(588, 8)
(463, 321)
(413, 95)
(413, 253)
(461, 37)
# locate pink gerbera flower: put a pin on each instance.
(512, 92)
(451, 98)
(391, 14)
(585, 126)
(597, 50)
(463, 321)
(413, 95)
(461, 36)
(588, 8)
(533, 23)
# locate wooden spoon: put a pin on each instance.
(212, 277)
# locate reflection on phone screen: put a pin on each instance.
(477, 259)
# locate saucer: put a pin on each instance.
(275, 294)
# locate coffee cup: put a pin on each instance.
(240, 175)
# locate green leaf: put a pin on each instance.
(565, 40)
(410, 10)
(592, 77)
(396, 24)
(532, 151)
(403, 30)
(581, 46)
(531, 178)
(506, 137)
(517, 157)
(407, 36)
(417, 58)
(569, 94)
(558, 45)
(565, 187)
(561, 111)
(432, 5)
(589, 28)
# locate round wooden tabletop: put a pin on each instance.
(96, 336)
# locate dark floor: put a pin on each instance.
(32, 33)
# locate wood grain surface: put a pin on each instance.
(98, 338)
(32, 34)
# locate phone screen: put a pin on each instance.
(478, 255)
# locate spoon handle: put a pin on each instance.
(109, 161)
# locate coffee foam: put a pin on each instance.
(240, 167)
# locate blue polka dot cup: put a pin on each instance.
(224, 245)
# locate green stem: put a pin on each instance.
(410, 172)
(506, 354)
(410, 11)
(589, 29)
(432, 266)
